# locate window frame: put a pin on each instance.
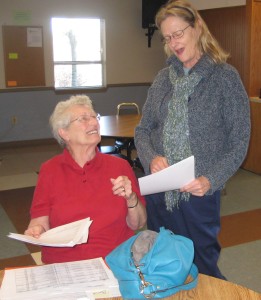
(101, 62)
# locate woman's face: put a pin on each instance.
(84, 129)
(185, 48)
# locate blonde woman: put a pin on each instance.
(195, 106)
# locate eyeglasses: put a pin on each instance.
(175, 35)
(86, 118)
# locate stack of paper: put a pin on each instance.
(86, 280)
(67, 235)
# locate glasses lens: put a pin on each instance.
(166, 39)
(84, 118)
(178, 34)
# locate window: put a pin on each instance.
(78, 53)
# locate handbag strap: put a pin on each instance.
(148, 290)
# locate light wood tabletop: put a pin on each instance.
(208, 288)
(119, 126)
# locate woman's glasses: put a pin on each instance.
(175, 35)
(86, 118)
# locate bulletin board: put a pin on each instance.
(23, 56)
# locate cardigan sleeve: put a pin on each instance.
(236, 119)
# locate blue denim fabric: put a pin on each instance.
(197, 219)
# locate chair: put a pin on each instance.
(137, 164)
(128, 108)
(122, 108)
(114, 151)
(108, 149)
(126, 143)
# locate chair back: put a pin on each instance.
(128, 108)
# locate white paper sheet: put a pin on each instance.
(67, 235)
(171, 178)
(86, 279)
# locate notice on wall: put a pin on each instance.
(34, 37)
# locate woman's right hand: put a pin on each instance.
(37, 226)
(35, 231)
(158, 163)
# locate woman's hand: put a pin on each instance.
(37, 226)
(197, 187)
(35, 231)
(136, 217)
(121, 186)
(158, 163)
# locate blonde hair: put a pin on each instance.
(61, 116)
(206, 42)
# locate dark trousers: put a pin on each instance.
(197, 219)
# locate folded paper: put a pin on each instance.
(67, 235)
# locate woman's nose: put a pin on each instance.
(173, 41)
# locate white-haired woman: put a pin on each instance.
(81, 182)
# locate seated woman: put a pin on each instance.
(82, 182)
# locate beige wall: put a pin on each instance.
(129, 59)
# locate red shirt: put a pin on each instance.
(66, 192)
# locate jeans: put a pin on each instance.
(197, 219)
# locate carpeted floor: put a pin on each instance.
(240, 228)
(15, 206)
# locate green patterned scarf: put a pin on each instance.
(176, 129)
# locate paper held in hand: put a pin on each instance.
(171, 178)
(67, 235)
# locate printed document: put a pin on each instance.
(171, 178)
(85, 280)
(67, 235)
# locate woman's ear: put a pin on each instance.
(63, 133)
(199, 26)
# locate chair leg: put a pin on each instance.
(130, 147)
(137, 164)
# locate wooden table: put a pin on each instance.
(122, 126)
(208, 288)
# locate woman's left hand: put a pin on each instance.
(121, 186)
(136, 216)
(197, 187)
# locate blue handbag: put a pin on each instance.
(153, 265)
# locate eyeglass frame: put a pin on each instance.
(175, 35)
(86, 118)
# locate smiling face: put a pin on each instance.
(185, 48)
(84, 129)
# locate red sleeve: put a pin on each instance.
(41, 199)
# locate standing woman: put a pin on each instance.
(195, 106)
